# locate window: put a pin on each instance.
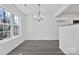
(16, 23)
(9, 24)
(7, 16)
(1, 14)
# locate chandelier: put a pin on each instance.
(39, 17)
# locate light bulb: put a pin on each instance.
(35, 16)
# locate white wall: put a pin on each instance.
(45, 30)
(69, 39)
(31, 30)
(7, 46)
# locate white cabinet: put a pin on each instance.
(69, 39)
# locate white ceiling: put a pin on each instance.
(72, 10)
(46, 9)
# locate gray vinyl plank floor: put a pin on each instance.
(38, 47)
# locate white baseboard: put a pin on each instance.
(42, 39)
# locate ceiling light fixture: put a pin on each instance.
(39, 16)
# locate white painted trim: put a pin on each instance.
(8, 39)
(41, 39)
(62, 50)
